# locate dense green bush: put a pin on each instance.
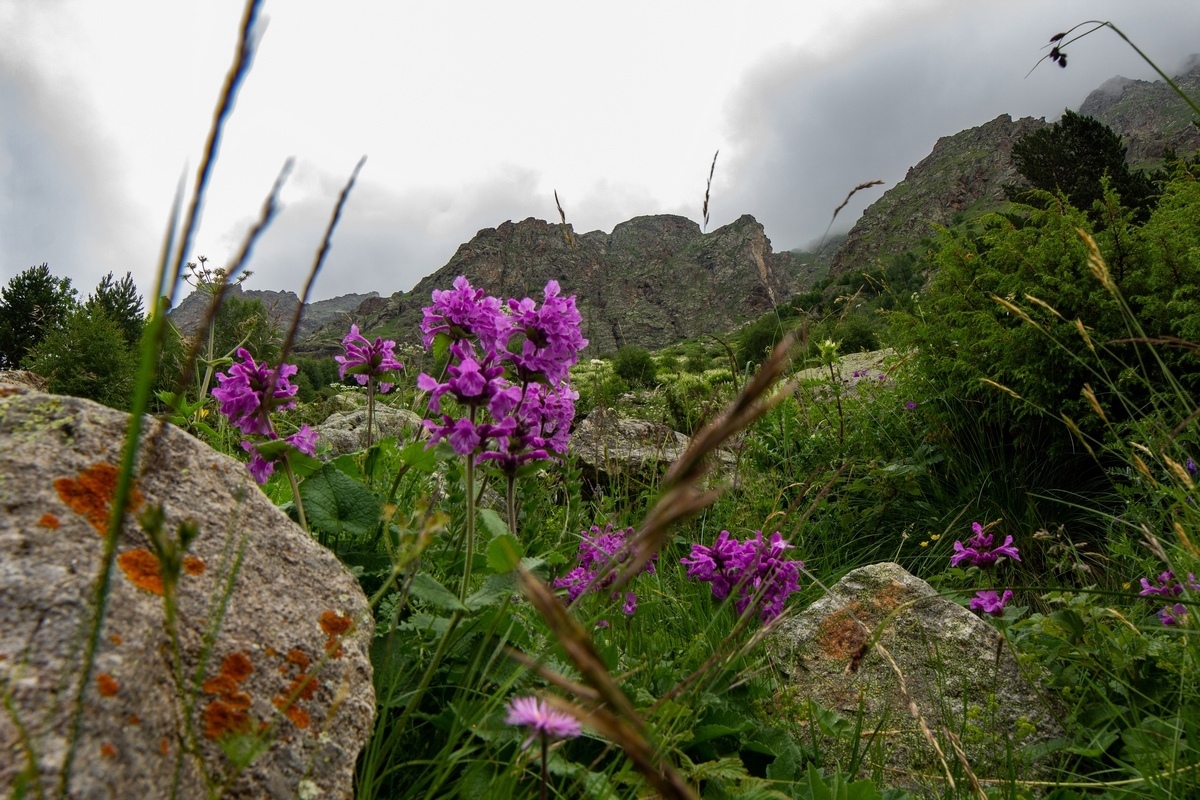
(87, 357)
(33, 303)
(635, 366)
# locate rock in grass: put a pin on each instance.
(346, 431)
(962, 676)
(274, 670)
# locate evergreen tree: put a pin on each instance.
(31, 305)
(87, 356)
(1073, 155)
(121, 303)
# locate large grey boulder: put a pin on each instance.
(346, 431)
(958, 671)
(272, 635)
(607, 446)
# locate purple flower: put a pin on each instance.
(597, 550)
(261, 468)
(552, 336)
(910, 405)
(1190, 466)
(979, 552)
(757, 567)
(991, 603)
(1165, 586)
(365, 360)
(541, 720)
(251, 391)
(1172, 614)
(463, 312)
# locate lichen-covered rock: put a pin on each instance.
(957, 669)
(346, 431)
(272, 638)
(606, 445)
(21, 377)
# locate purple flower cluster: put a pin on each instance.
(1168, 586)
(597, 549)
(990, 602)
(247, 395)
(541, 720)
(979, 552)
(508, 373)
(755, 567)
(365, 360)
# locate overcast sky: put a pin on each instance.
(473, 113)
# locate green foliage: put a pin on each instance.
(635, 366)
(244, 322)
(1073, 155)
(756, 341)
(87, 357)
(33, 304)
(121, 302)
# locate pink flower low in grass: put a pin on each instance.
(541, 720)
(991, 602)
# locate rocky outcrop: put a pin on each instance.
(959, 674)
(651, 282)
(266, 662)
(346, 431)
(964, 174)
(22, 377)
(1150, 117)
(191, 312)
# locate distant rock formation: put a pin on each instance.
(189, 315)
(1149, 115)
(654, 280)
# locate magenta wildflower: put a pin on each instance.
(757, 567)
(552, 336)
(910, 405)
(246, 395)
(261, 468)
(541, 720)
(1190, 466)
(1171, 615)
(990, 602)
(597, 550)
(464, 312)
(365, 360)
(1164, 586)
(979, 552)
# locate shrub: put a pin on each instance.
(87, 357)
(635, 365)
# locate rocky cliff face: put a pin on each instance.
(965, 173)
(654, 280)
(281, 306)
(1148, 115)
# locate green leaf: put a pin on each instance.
(494, 590)
(492, 523)
(504, 553)
(336, 503)
(427, 588)
(418, 458)
(441, 346)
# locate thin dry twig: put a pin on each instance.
(562, 215)
(708, 187)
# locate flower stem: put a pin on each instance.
(370, 410)
(466, 581)
(511, 499)
(545, 765)
(287, 467)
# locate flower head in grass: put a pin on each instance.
(261, 468)
(542, 419)
(1166, 585)
(541, 720)
(910, 405)
(365, 360)
(552, 336)
(979, 550)
(1172, 615)
(755, 567)
(250, 391)
(464, 312)
(990, 602)
(1190, 466)
(597, 550)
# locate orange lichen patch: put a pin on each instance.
(292, 711)
(890, 598)
(8, 391)
(221, 719)
(840, 636)
(134, 719)
(270, 651)
(194, 566)
(107, 750)
(107, 685)
(116, 638)
(299, 658)
(48, 520)
(91, 494)
(141, 568)
(164, 746)
(220, 684)
(237, 666)
(335, 626)
(303, 687)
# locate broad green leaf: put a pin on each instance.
(495, 588)
(504, 553)
(492, 523)
(336, 503)
(418, 458)
(428, 589)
